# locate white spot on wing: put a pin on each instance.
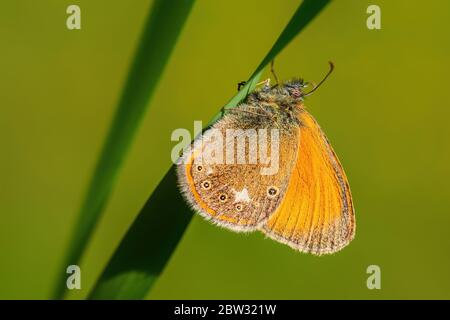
(241, 196)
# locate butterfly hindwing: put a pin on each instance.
(316, 215)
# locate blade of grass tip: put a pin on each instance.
(162, 28)
(154, 235)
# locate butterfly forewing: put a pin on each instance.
(233, 194)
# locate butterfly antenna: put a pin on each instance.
(323, 80)
(272, 70)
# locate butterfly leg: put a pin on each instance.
(272, 70)
(266, 84)
(240, 85)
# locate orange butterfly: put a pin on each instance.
(305, 203)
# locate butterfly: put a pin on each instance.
(305, 203)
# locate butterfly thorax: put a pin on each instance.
(282, 103)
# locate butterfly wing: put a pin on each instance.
(316, 215)
(229, 193)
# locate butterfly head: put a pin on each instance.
(290, 92)
(294, 89)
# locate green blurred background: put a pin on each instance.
(385, 109)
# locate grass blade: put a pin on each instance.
(151, 239)
(163, 25)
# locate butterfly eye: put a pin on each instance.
(296, 93)
(199, 168)
(239, 207)
(223, 197)
(206, 185)
(272, 191)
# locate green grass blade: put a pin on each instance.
(147, 245)
(161, 31)
(154, 235)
